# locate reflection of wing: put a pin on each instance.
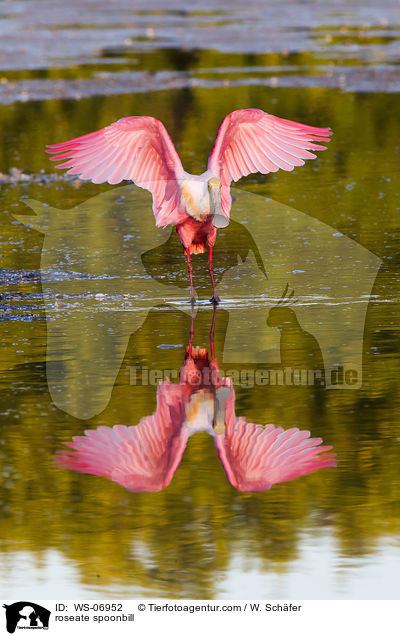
(256, 457)
(143, 458)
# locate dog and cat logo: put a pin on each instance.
(26, 615)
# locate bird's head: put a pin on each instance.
(214, 183)
(214, 189)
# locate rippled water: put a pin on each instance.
(74, 320)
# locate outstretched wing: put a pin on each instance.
(143, 458)
(137, 149)
(250, 140)
(256, 457)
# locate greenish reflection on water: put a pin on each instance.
(179, 542)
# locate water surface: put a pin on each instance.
(333, 534)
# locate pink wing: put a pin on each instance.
(138, 149)
(250, 140)
(143, 458)
(256, 457)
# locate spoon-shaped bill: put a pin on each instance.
(219, 219)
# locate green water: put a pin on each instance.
(75, 535)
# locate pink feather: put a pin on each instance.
(250, 140)
(138, 149)
(256, 457)
(142, 458)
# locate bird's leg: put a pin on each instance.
(212, 330)
(215, 298)
(190, 269)
(221, 393)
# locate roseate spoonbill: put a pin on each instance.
(139, 149)
(145, 457)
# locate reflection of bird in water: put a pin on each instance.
(139, 149)
(145, 457)
(298, 348)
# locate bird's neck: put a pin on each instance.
(196, 199)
